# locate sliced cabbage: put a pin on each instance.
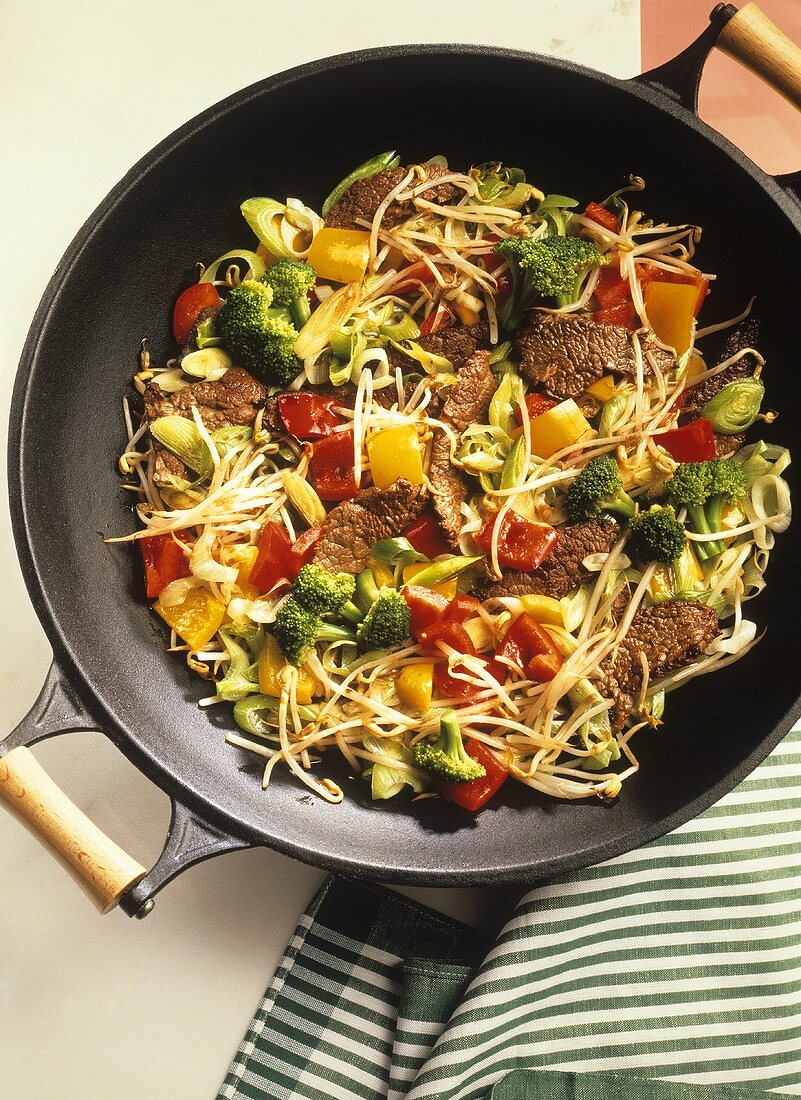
(386, 780)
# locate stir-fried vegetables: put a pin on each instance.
(492, 558)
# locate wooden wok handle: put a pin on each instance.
(750, 38)
(102, 869)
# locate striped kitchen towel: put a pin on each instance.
(671, 972)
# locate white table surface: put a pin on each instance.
(95, 1007)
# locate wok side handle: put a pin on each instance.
(752, 39)
(99, 866)
(190, 840)
(103, 870)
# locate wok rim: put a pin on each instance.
(58, 632)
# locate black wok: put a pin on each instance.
(576, 132)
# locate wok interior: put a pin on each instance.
(573, 134)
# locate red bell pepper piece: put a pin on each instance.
(164, 562)
(536, 403)
(438, 318)
(414, 274)
(426, 607)
(463, 607)
(522, 544)
(454, 635)
(613, 292)
(274, 560)
(544, 667)
(449, 632)
(332, 466)
(477, 792)
(599, 214)
(694, 442)
(308, 415)
(426, 537)
(623, 314)
(301, 551)
(188, 306)
(529, 646)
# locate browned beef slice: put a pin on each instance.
(567, 354)
(466, 403)
(470, 395)
(363, 198)
(234, 399)
(355, 526)
(745, 335)
(562, 571)
(456, 344)
(728, 444)
(670, 635)
(449, 489)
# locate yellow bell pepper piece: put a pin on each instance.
(341, 255)
(242, 558)
(559, 427)
(271, 662)
(382, 574)
(671, 311)
(660, 585)
(466, 315)
(603, 388)
(445, 588)
(731, 516)
(395, 453)
(196, 618)
(544, 609)
(414, 686)
(695, 367)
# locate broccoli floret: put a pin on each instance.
(296, 630)
(598, 489)
(291, 281)
(321, 592)
(386, 623)
(703, 488)
(259, 338)
(445, 756)
(547, 267)
(657, 535)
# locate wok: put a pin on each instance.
(575, 131)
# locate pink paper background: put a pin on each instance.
(732, 100)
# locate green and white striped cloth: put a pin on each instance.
(671, 972)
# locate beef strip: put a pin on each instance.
(562, 571)
(352, 528)
(466, 403)
(568, 353)
(449, 489)
(726, 445)
(745, 335)
(234, 399)
(363, 198)
(670, 635)
(457, 344)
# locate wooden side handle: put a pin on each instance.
(750, 38)
(102, 869)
